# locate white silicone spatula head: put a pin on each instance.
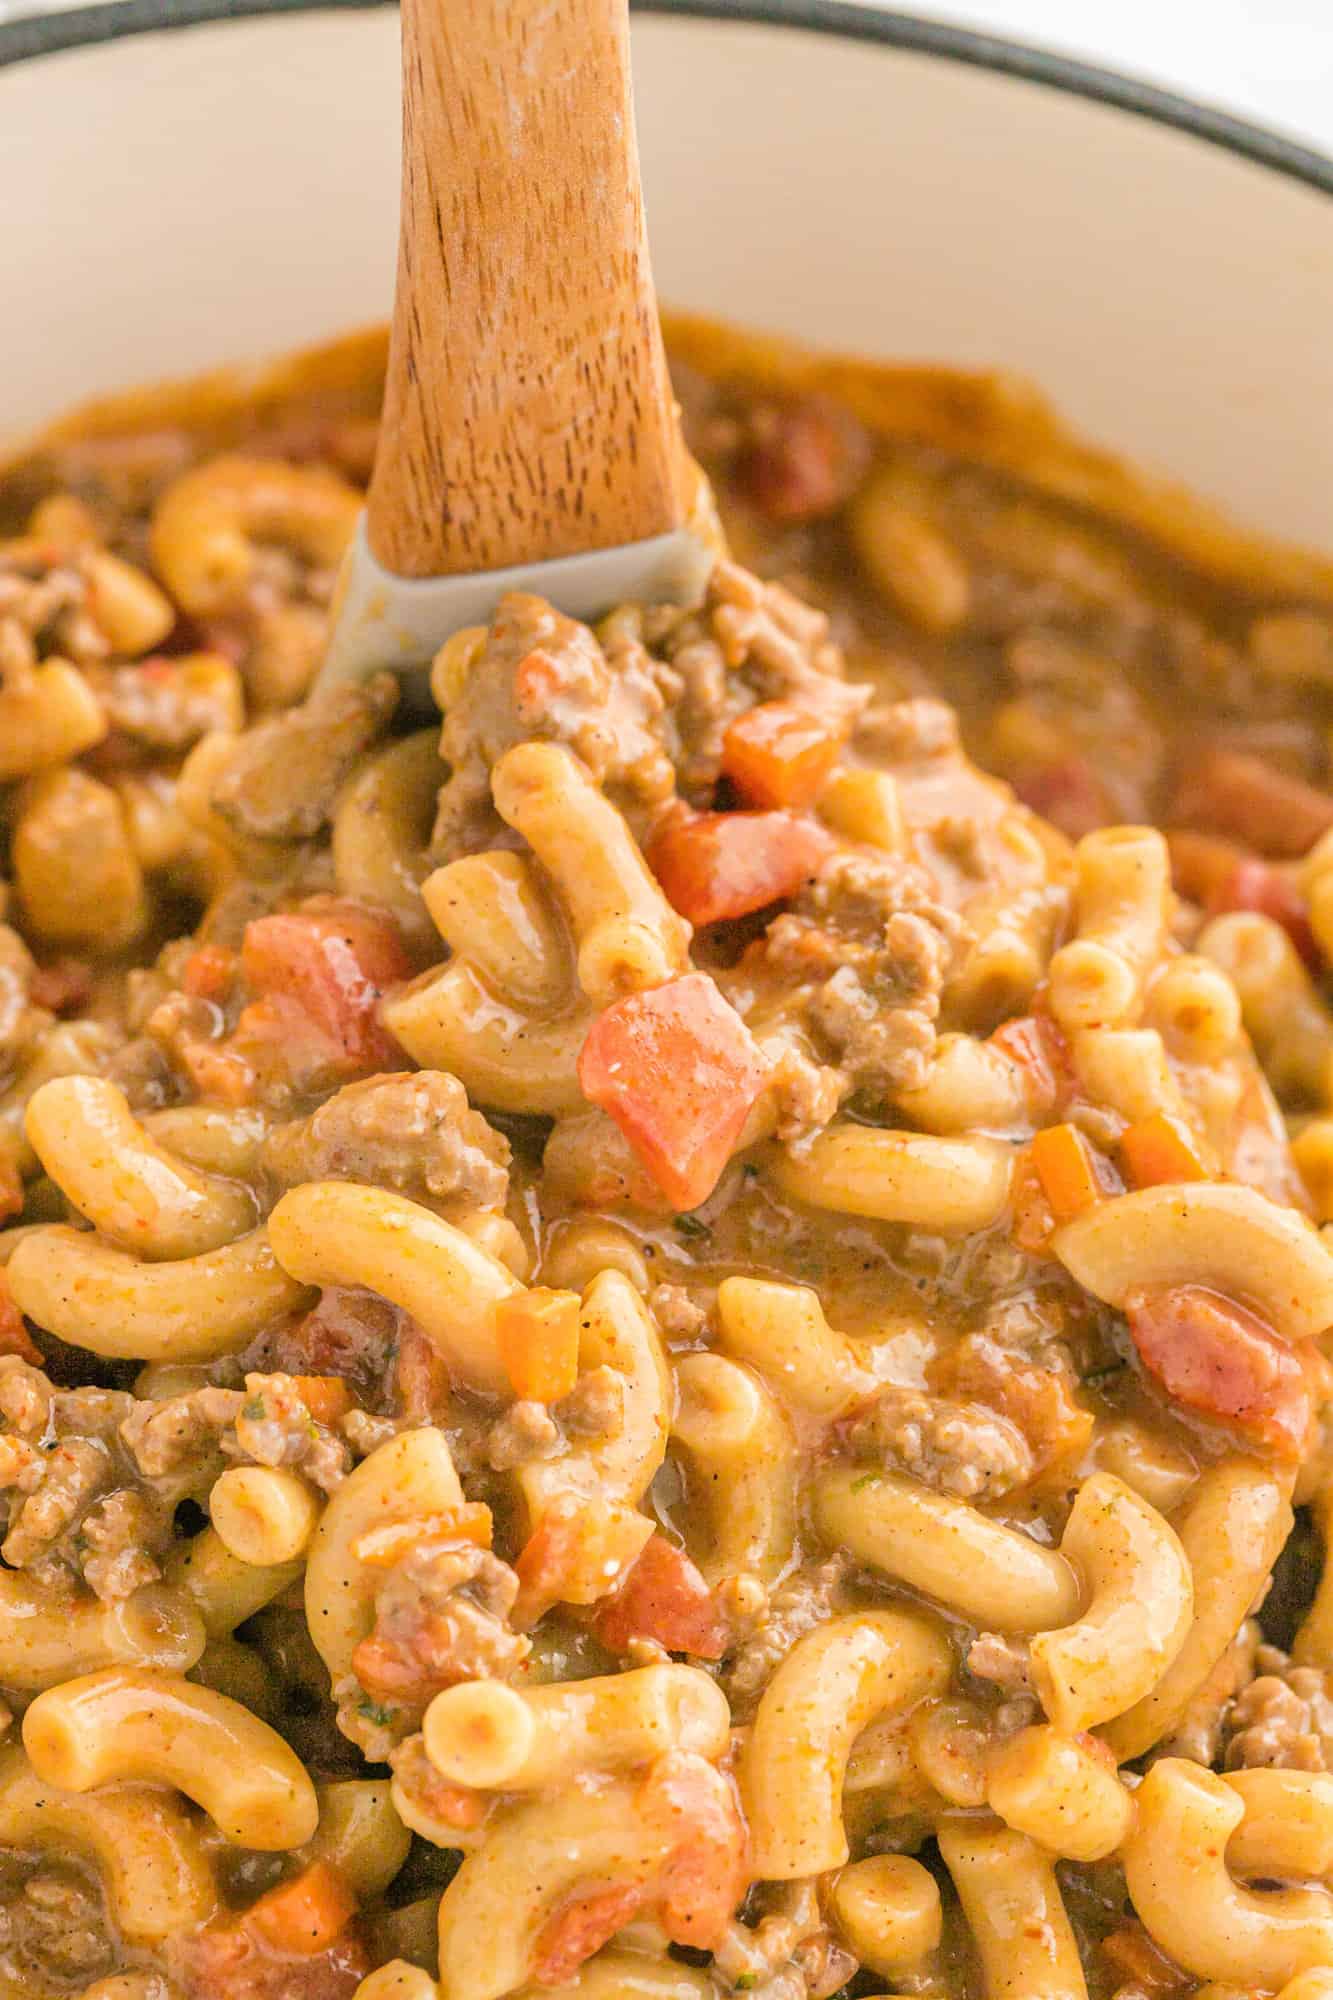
(529, 438)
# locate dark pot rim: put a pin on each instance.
(83, 27)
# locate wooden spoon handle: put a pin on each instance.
(527, 410)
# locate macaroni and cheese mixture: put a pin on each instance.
(656, 1341)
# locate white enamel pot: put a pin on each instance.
(187, 182)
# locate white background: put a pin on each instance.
(1270, 60)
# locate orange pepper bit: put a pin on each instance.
(537, 1333)
(307, 1914)
(1161, 1148)
(779, 754)
(327, 1397)
(1067, 1171)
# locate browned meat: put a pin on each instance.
(654, 689)
(181, 1433)
(53, 1927)
(861, 959)
(749, 640)
(803, 1601)
(410, 1131)
(962, 1448)
(678, 1313)
(273, 1426)
(525, 1432)
(281, 778)
(594, 1408)
(354, 1334)
(190, 1437)
(543, 675)
(441, 1616)
(162, 705)
(71, 1498)
(1033, 1389)
(1284, 1717)
(44, 611)
(994, 1657)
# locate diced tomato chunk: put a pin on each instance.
(806, 462)
(1217, 1357)
(779, 754)
(577, 1554)
(208, 972)
(1069, 794)
(1232, 792)
(582, 1927)
(678, 1070)
(704, 1876)
(720, 865)
(228, 1962)
(1258, 885)
(62, 985)
(330, 966)
(1039, 1048)
(664, 1597)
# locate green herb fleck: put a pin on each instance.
(691, 1225)
(866, 1479)
(375, 1712)
(254, 1409)
(1096, 1376)
(747, 1981)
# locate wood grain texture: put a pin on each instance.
(528, 411)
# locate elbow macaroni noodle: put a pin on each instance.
(654, 1344)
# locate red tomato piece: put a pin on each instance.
(678, 1070)
(1035, 1043)
(582, 1927)
(664, 1597)
(225, 1962)
(717, 866)
(1069, 794)
(63, 985)
(1234, 793)
(1217, 1357)
(208, 972)
(330, 964)
(779, 754)
(1258, 885)
(805, 464)
(704, 1877)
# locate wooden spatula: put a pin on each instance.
(529, 438)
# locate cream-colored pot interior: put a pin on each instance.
(222, 191)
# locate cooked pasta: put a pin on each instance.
(657, 1343)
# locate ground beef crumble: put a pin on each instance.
(803, 1601)
(414, 1131)
(960, 1448)
(53, 1926)
(860, 960)
(441, 1616)
(1284, 1717)
(71, 1499)
(644, 702)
